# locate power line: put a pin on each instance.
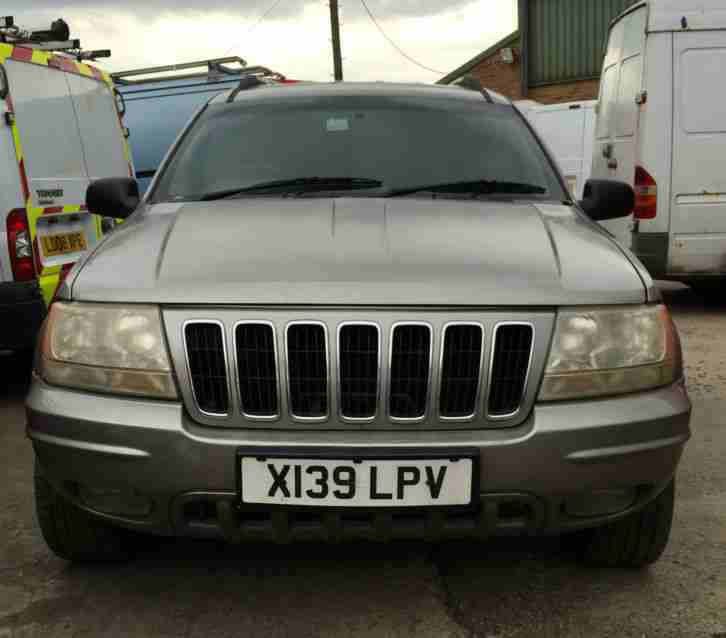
(394, 45)
(257, 22)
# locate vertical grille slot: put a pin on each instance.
(410, 371)
(510, 368)
(358, 362)
(307, 360)
(257, 371)
(207, 362)
(460, 370)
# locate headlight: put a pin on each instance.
(107, 348)
(603, 351)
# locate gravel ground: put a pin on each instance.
(513, 588)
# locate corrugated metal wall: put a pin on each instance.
(566, 37)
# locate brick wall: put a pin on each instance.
(507, 80)
(500, 77)
(570, 92)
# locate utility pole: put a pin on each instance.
(335, 31)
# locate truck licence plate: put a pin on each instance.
(63, 243)
(360, 483)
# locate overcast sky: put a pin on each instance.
(293, 39)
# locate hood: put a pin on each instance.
(351, 251)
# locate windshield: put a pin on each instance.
(359, 146)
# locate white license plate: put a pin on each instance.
(345, 483)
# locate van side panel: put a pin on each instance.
(563, 129)
(698, 214)
(654, 144)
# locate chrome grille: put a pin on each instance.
(410, 371)
(510, 365)
(363, 366)
(358, 367)
(257, 369)
(307, 360)
(460, 370)
(206, 360)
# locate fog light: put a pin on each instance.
(600, 502)
(115, 501)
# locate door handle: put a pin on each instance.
(612, 163)
(607, 150)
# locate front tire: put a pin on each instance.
(73, 534)
(635, 541)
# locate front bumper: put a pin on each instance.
(22, 311)
(527, 473)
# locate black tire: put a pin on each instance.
(71, 533)
(635, 541)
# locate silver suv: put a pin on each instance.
(358, 311)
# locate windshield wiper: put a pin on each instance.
(298, 185)
(475, 187)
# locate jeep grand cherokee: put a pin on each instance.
(358, 311)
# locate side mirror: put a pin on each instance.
(113, 197)
(607, 199)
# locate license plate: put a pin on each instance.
(63, 243)
(359, 483)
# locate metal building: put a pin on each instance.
(556, 54)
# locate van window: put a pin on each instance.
(615, 44)
(608, 88)
(634, 28)
(627, 110)
(702, 103)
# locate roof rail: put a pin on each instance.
(214, 65)
(470, 83)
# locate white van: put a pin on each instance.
(59, 130)
(661, 126)
(568, 130)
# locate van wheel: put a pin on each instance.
(71, 533)
(634, 541)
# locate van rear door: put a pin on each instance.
(55, 167)
(617, 122)
(698, 210)
(101, 133)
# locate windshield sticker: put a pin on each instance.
(337, 124)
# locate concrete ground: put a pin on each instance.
(514, 588)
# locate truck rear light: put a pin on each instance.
(20, 246)
(646, 195)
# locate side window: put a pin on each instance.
(615, 44)
(634, 36)
(626, 114)
(608, 90)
